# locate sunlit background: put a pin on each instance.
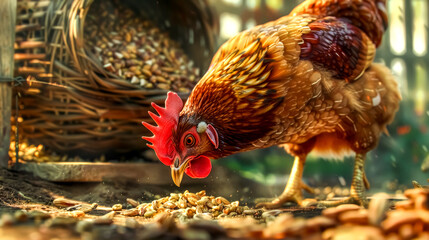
(400, 157)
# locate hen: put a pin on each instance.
(305, 81)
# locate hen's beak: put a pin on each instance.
(177, 171)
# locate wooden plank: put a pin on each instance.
(150, 173)
(7, 39)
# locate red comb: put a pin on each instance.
(162, 141)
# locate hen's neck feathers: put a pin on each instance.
(246, 82)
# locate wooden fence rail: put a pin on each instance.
(7, 39)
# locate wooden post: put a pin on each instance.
(7, 39)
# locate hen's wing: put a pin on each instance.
(344, 38)
(368, 15)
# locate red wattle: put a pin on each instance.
(199, 167)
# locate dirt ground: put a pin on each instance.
(17, 188)
(386, 217)
(21, 188)
(23, 191)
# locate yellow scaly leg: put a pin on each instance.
(357, 190)
(292, 191)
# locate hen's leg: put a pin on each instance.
(292, 191)
(294, 186)
(357, 190)
(365, 181)
(307, 188)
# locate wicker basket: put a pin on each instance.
(83, 107)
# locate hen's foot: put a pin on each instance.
(292, 196)
(293, 190)
(358, 200)
(357, 190)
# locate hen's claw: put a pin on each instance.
(295, 197)
(350, 200)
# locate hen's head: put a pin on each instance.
(182, 148)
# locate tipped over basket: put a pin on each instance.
(97, 66)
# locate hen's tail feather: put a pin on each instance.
(368, 15)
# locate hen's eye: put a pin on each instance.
(189, 140)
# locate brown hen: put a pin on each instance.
(305, 81)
